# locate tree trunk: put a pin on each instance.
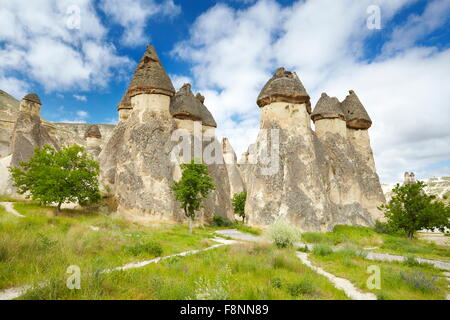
(243, 220)
(190, 225)
(59, 207)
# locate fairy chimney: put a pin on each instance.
(124, 108)
(329, 117)
(284, 100)
(358, 123)
(31, 104)
(151, 87)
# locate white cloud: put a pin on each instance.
(38, 42)
(82, 114)
(179, 80)
(133, 16)
(234, 52)
(80, 97)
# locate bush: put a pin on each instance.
(322, 250)
(151, 247)
(276, 283)
(411, 261)
(382, 227)
(304, 286)
(283, 234)
(219, 221)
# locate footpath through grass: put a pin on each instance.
(362, 237)
(408, 280)
(242, 271)
(41, 246)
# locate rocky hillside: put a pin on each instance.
(439, 187)
(63, 133)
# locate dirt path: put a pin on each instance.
(13, 293)
(340, 283)
(442, 265)
(9, 206)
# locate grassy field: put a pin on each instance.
(43, 245)
(409, 280)
(361, 237)
(247, 271)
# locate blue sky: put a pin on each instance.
(228, 49)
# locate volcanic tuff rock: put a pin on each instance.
(321, 180)
(136, 162)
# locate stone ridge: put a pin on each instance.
(150, 77)
(284, 86)
(327, 108)
(355, 113)
(33, 97)
(185, 105)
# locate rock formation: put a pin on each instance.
(233, 170)
(29, 132)
(315, 180)
(137, 162)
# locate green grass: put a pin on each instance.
(43, 244)
(363, 237)
(399, 281)
(234, 272)
(5, 198)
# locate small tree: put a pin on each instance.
(410, 210)
(50, 176)
(238, 202)
(194, 186)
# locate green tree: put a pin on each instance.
(238, 202)
(51, 176)
(194, 186)
(410, 210)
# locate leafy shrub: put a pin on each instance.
(420, 281)
(283, 234)
(304, 286)
(276, 283)
(382, 227)
(322, 250)
(219, 221)
(151, 247)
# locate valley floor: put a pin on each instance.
(37, 246)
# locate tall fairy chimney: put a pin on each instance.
(151, 87)
(358, 123)
(284, 100)
(329, 117)
(31, 104)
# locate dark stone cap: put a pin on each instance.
(150, 77)
(93, 132)
(284, 86)
(327, 108)
(185, 105)
(355, 113)
(33, 97)
(125, 103)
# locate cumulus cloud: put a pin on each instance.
(60, 45)
(234, 52)
(133, 16)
